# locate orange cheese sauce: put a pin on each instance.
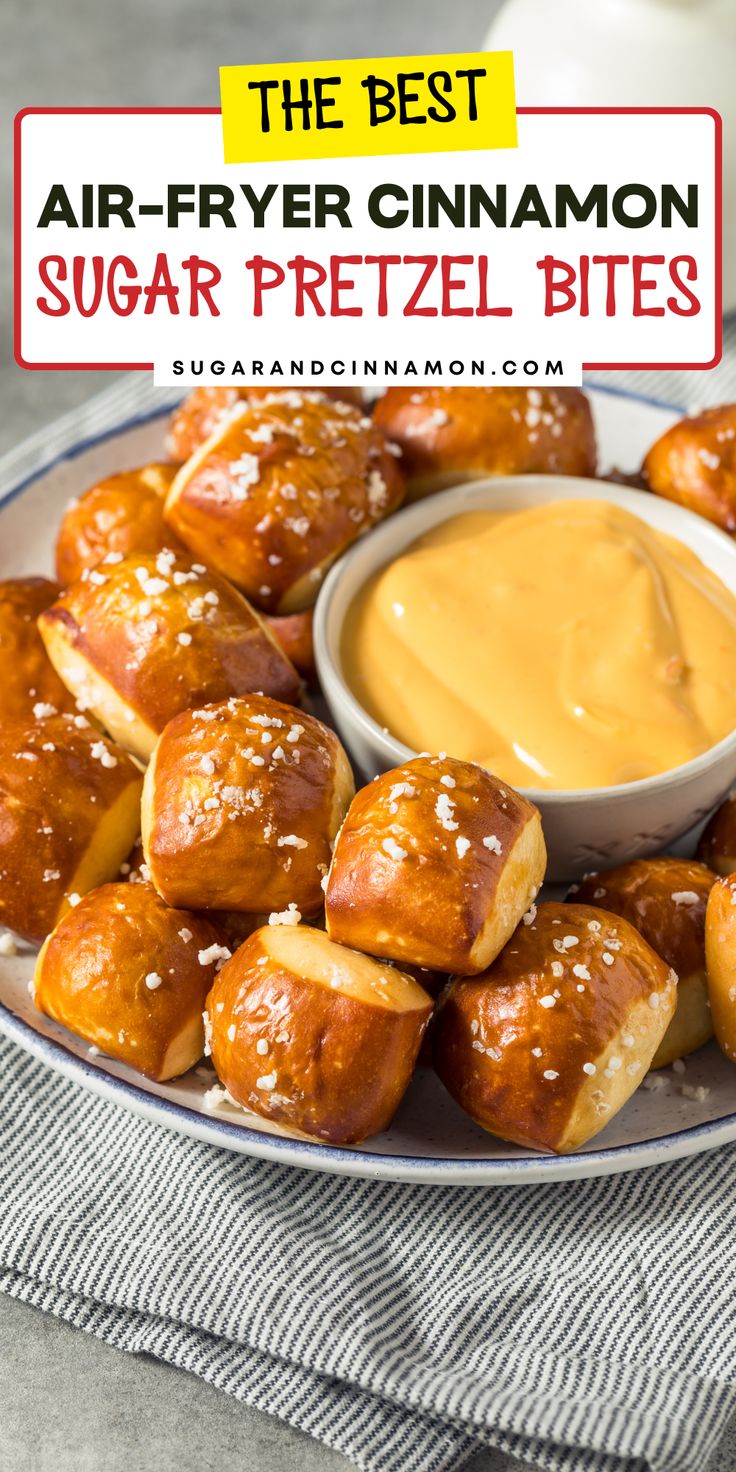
(566, 646)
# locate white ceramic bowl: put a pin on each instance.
(589, 828)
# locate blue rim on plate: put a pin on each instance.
(346, 1160)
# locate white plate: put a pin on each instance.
(430, 1139)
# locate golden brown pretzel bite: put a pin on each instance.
(717, 847)
(448, 435)
(69, 814)
(131, 976)
(720, 952)
(138, 640)
(204, 409)
(240, 806)
(665, 898)
(434, 866)
(275, 494)
(122, 513)
(316, 1037)
(694, 463)
(27, 675)
(554, 1037)
(294, 632)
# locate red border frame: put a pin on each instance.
(211, 111)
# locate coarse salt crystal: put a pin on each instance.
(291, 916)
(444, 808)
(708, 458)
(694, 1091)
(101, 754)
(401, 789)
(213, 953)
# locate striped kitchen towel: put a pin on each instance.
(578, 1326)
(581, 1326)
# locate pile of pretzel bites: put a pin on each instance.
(183, 839)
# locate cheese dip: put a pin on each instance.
(566, 646)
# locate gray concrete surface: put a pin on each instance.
(69, 1403)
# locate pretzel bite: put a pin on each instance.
(294, 632)
(29, 680)
(694, 463)
(131, 976)
(123, 513)
(315, 1037)
(434, 866)
(665, 898)
(720, 955)
(549, 1043)
(717, 847)
(448, 435)
(141, 639)
(69, 814)
(240, 806)
(279, 490)
(205, 409)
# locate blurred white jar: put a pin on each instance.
(650, 53)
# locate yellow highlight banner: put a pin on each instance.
(376, 105)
